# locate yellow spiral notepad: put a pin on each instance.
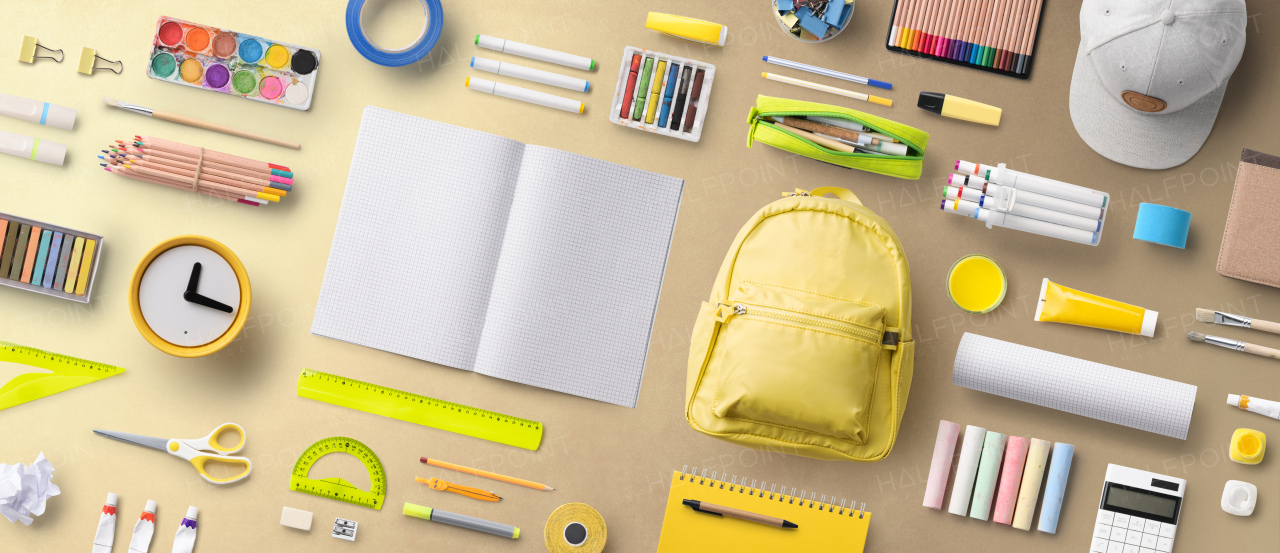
(823, 525)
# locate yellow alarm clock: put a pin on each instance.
(189, 296)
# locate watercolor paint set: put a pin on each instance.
(49, 259)
(662, 94)
(234, 63)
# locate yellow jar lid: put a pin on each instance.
(1248, 446)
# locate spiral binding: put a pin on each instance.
(723, 480)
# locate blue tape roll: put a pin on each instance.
(1162, 225)
(404, 56)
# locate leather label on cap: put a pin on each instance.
(1142, 102)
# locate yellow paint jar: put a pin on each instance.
(976, 284)
(1247, 446)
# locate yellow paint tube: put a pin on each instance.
(1059, 304)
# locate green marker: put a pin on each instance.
(642, 91)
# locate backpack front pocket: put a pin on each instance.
(797, 359)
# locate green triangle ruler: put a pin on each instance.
(67, 373)
(389, 402)
(337, 488)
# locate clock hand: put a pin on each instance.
(201, 300)
(194, 282)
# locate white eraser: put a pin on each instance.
(151, 506)
(111, 499)
(296, 518)
(192, 511)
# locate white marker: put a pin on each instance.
(530, 74)
(1031, 183)
(1001, 219)
(1021, 208)
(1057, 204)
(44, 113)
(535, 53)
(47, 151)
(526, 95)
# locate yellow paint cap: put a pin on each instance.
(1248, 446)
(688, 28)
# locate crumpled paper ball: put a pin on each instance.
(25, 488)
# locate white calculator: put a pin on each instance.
(1138, 512)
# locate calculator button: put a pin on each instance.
(1167, 530)
(1149, 541)
(1118, 533)
(1121, 520)
(1102, 531)
(1105, 516)
(1115, 547)
(1146, 550)
(1134, 538)
(1137, 523)
(1164, 544)
(1099, 546)
(1130, 549)
(1152, 527)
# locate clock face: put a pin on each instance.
(189, 296)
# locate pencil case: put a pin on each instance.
(904, 167)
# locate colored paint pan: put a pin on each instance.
(235, 63)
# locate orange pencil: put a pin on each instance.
(920, 16)
(487, 474)
(896, 31)
(913, 10)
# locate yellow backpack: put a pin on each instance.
(805, 345)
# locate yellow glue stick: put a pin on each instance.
(1059, 304)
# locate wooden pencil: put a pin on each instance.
(1005, 30)
(896, 29)
(120, 170)
(202, 183)
(944, 23)
(1024, 20)
(988, 42)
(1015, 31)
(923, 25)
(972, 29)
(1031, 38)
(957, 23)
(191, 160)
(219, 156)
(189, 165)
(230, 185)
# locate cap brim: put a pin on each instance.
(1124, 135)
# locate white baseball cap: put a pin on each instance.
(1150, 75)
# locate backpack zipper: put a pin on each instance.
(847, 329)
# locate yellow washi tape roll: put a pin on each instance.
(575, 528)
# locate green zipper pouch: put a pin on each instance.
(903, 167)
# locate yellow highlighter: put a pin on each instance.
(688, 28)
(657, 87)
(956, 107)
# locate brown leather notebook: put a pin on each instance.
(1251, 246)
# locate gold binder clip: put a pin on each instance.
(28, 52)
(89, 61)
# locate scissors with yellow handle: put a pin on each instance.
(198, 451)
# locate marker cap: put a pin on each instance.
(485, 64)
(417, 511)
(1233, 400)
(111, 499)
(483, 85)
(60, 117)
(151, 506)
(1149, 323)
(48, 151)
(192, 511)
(491, 43)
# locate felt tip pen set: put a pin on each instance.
(1002, 197)
(662, 94)
(49, 259)
(992, 35)
(229, 62)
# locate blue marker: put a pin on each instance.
(667, 94)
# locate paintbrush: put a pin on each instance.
(198, 123)
(1234, 344)
(1220, 318)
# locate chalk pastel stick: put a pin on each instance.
(20, 252)
(37, 270)
(967, 470)
(1015, 456)
(1059, 469)
(1029, 490)
(33, 245)
(73, 265)
(943, 450)
(86, 262)
(52, 263)
(984, 487)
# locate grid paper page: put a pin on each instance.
(577, 286)
(418, 238)
(1074, 385)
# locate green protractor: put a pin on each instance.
(337, 488)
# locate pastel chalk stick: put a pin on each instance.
(967, 470)
(984, 488)
(37, 270)
(1015, 456)
(943, 451)
(51, 266)
(1056, 487)
(1029, 490)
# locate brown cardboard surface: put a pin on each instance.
(616, 459)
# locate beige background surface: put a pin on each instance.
(616, 459)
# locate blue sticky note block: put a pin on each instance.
(1164, 225)
(835, 13)
(786, 5)
(811, 23)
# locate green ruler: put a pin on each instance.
(67, 373)
(417, 409)
(337, 488)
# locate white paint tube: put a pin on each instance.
(1264, 407)
(144, 529)
(106, 535)
(185, 540)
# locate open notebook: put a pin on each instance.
(481, 253)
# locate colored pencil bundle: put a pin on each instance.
(214, 174)
(998, 35)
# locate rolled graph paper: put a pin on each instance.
(1015, 456)
(943, 450)
(1074, 385)
(1059, 469)
(988, 469)
(1032, 477)
(967, 470)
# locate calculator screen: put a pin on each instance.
(1123, 497)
